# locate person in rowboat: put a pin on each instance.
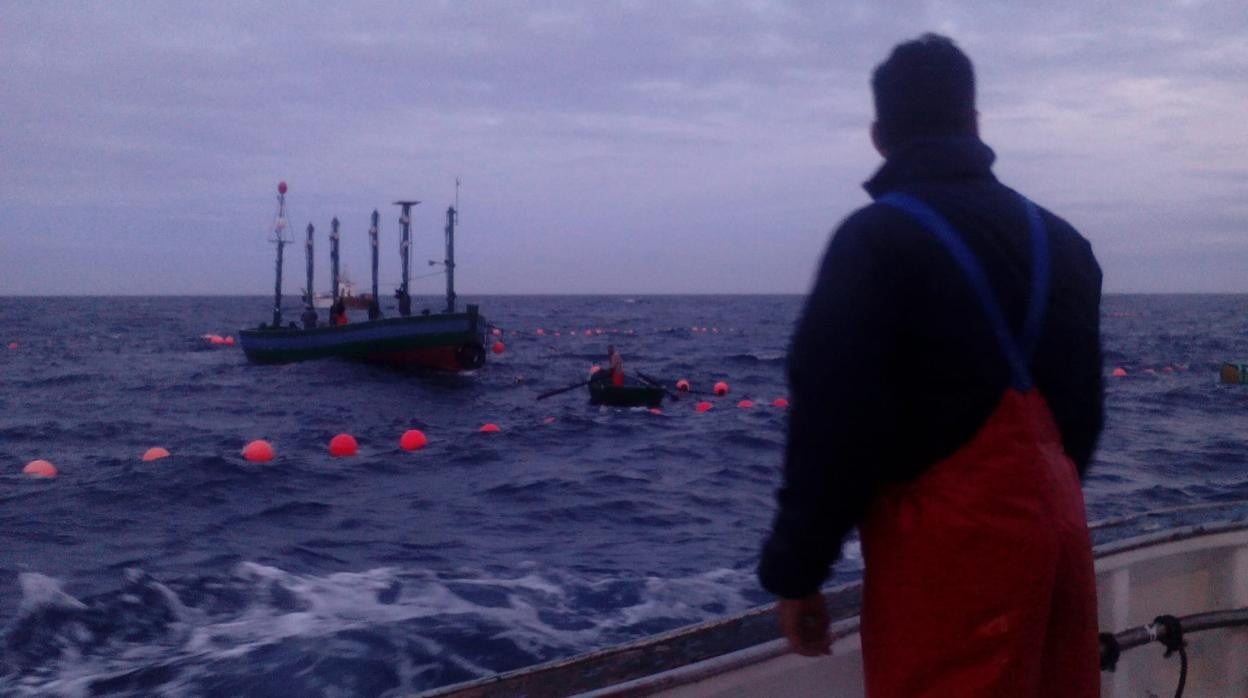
(614, 371)
(963, 479)
(615, 365)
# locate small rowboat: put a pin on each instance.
(603, 393)
(1197, 572)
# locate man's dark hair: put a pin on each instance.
(925, 88)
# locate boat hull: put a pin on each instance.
(448, 341)
(603, 393)
(1179, 572)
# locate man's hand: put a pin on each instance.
(805, 623)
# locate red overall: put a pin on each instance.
(979, 578)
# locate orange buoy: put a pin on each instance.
(154, 453)
(496, 332)
(541, 332)
(721, 388)
(745, 404)
(682, 385)
(229, 340)
(258, 451)
(589, 333)
(39, 468)
(703, 406)
(499, 347)
(413, 440)
(343, 445)
(780, 402)
(489, 428)
(1120, 372)
(655, 410)
(216, 340)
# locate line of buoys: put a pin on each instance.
(341, 445)
(1121, 372)
(39, 468)
(154, 453)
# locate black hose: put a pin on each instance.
(1169, 631)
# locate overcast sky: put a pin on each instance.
(604, 147)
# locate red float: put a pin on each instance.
(39, 468)
(413, 440)
(343, 445)
(154, 453)
(258, 451)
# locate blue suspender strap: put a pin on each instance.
(1017, 354)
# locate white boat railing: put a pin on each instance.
(1197, 573)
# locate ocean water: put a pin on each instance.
(390, 572)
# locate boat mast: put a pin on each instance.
(279, 238)
(405, 253)
(374, 306)
(333, 257)
(307, 255)
(309, 310)
(450, 256)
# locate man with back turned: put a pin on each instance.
(947, 398)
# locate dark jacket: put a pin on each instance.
(894, 364)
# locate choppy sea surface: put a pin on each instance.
(572, 529)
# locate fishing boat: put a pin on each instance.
(602, 392)
(346, 293)
(450, 340)
(1196, 573)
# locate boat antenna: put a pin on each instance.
(281, 239)
(333, 257)
(405, 254)
(374, 306)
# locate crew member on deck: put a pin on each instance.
(616, 365)
(338, 313)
